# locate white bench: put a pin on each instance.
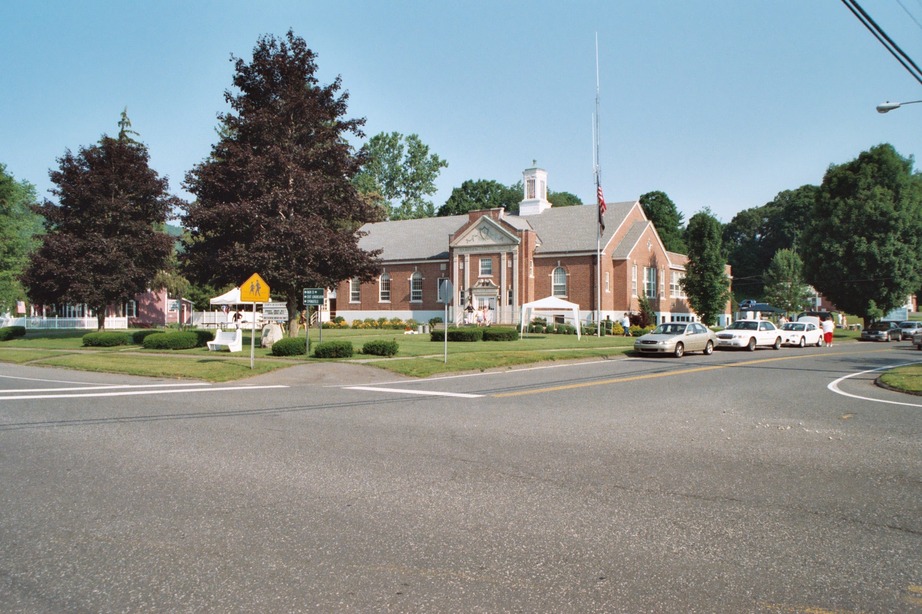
(230, 339)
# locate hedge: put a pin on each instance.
(380, 347)
(494, 333)
(105, 339)
(333, 349)
(182, 340)
(289, 346)
(457, 334)
(203, 336)
(138, 336)
(11, 332)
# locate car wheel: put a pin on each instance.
(820, 342)
(777, 345)
(803, 342)
(752, 344)
(679, 350)
(709, 348)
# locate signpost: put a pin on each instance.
(254, 290)
(313, 297)
(446, 295)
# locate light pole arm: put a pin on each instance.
(889, 106)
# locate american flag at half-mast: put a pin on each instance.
(602, 207)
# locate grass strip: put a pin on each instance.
(905, 379)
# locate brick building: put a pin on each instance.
(499, 261)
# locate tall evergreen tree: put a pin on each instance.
(863, 245)
(276, 195)
(706, 282)
(104, 241)
(20, 226)
(666, 218)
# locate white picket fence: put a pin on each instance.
(112, 323)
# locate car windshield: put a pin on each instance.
(907, 325)
(880, 326)
(794, 326)
(669, 329)
(744, 325)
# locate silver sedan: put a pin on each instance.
(676, 338)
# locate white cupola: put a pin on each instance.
(535, 200)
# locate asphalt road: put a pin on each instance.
(773, 481)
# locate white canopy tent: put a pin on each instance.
(555, 306)
(231, 297)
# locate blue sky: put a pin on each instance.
(718, 103)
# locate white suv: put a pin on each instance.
(749, 334)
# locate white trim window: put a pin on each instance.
(486, 267)
(675, 287)
(355, 290)
(131, 309)
(559, 282)
(649, 274)
(416, 287)
(634, 280)
(607, 281)
(384, 288)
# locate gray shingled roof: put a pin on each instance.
(561, 229)
(623, 249)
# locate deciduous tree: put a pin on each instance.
(706, 282)
(20, 226)
(784, 282)
(667, 219)
(104, 241)
(863, 245)
(276, 195)
(474, 195)
(401, 172)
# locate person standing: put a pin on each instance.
(828, 327)
(626, 325)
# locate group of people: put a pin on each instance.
(480, 317)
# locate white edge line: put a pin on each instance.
(834, 386)
(129, 393)
(101, 387)
(422, 392)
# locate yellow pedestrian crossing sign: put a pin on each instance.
(254, 290)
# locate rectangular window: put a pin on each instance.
(131, 309)
(486, 267)
(675, 287)
(634, 280)
(355, 290)
(416, 288)
(649, 282)
(607, 282)
(384, 291)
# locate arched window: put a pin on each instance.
(416, 287)
(384, 288)
(559, 282)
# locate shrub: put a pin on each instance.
(203, 336)
(380, 347)
(138, 336)
(494, 333)
(289, 346)
(457, 334)
(106, 339)
(333, 349)
(434, 321)
(180, 340)
(11, 332)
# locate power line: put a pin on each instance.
(911, 16)
(884, 40)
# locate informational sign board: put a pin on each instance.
(275, 312)
(313, 297)
(254, 290)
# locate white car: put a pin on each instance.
(749, 334)
(801, 334)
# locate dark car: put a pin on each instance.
(882, 331)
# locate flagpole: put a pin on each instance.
(598, 188)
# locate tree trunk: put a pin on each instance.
(101, 319)
(293, 302)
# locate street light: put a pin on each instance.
(889, 106)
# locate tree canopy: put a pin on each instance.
(561, 199)
(20, 226)
(104, 241)
(863, 244)
(784, 282)
(474, 195)
(666, 218)
(276, 195)
(706, 282)
(400, 173)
